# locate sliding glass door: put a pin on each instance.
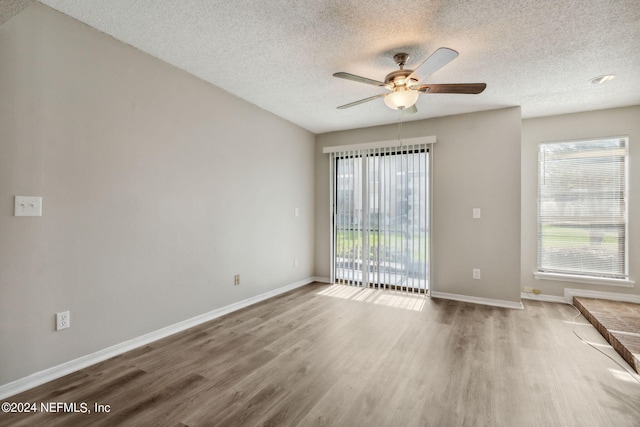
(381, 218)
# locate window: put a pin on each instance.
(380, 209)
(582, 208)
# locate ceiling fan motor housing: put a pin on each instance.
(397, 78)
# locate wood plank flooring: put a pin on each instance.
(336, 356)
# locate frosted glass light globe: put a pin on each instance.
(401, 98)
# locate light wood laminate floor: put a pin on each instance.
(334, 355)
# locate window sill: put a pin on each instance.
(623, 283)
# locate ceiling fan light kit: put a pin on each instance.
(401, 98)
(403, 85)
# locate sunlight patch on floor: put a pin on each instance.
(624, 375)
(395, 299)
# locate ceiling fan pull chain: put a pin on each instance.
(400, 112)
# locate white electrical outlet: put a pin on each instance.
(295, 263)
(236, 280)
(476, 274)
(63, 320)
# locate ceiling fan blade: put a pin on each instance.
(411, 110)
(358, 79)
(464, 88)
(433, 63)
(362, 101)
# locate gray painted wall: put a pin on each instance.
(476, 164)
(593, 124)
(157, 187)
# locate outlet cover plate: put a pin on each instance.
(63, 320)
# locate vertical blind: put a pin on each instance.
(582, 207)
(380, 210)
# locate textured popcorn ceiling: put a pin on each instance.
(281, 54)
(9, 8)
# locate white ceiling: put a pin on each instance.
(281, 54)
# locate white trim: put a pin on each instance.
(543, 297)
(66, 368)
(321, 279)
(332, 217)
(623, 283)
(432, 254)
(478, 300)
(613, 296)
(381, 144)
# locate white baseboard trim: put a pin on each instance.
(614, 296)
(478, 300)
(543, 297)
(50, 374)
(321, 279)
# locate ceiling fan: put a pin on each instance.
(404, 86)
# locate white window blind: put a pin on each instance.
(582, 208)
(380, 205)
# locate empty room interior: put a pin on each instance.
(348, 213)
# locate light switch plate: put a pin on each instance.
(27, 206)
(476, 213)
